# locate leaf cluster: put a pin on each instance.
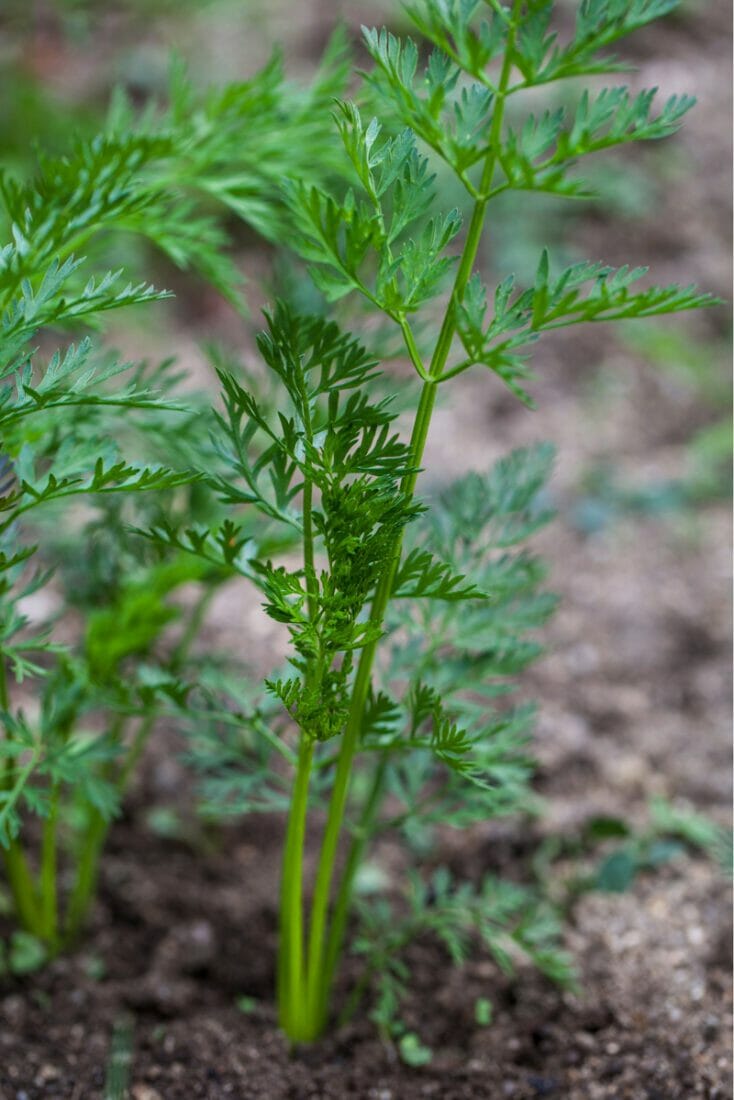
(376, 238)
(509, 921)
(581, 293)
(330, 441)
(155, 176)
(385, 236)
(454, 753)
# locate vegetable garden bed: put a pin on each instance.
(157, 940)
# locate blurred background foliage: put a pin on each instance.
(60, 61)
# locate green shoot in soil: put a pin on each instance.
(69, 422)
(406, 624)
(408, 618)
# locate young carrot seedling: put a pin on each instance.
(79, 426)
(404, 623)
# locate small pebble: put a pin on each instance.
(45, 1074)
(144, 1092)
(14, 1010)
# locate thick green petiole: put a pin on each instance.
(22, 888)
(304, 1001)
(86, 874)
(20, 879)
(292, 976)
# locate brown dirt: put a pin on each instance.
(176, 940)
(634, 703)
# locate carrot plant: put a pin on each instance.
(408, 619)
(78, 426)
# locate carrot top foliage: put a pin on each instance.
(408, 618)
(76, 424)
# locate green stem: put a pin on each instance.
(412, 348)
(318, 990)
(85, 877)
(22, 888)
(291, 972)
(14, 792)
(49, 873)
(192, 628)
(4, 692)
(20, 879)
(343, 900)
(6, 762)
(137, 746)
(319, 976)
